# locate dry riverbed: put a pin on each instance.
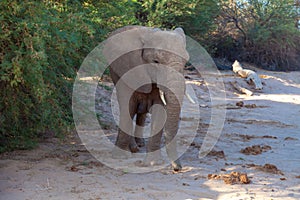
(256, 157)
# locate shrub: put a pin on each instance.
(261, 32)
(196, 17)
(42, 45)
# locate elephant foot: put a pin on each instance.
(153, 158)
(140, 141)
(176, 165)
(133, 146)
(118, 153)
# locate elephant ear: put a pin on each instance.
(181, 33)
(123, 52)
(171, 41)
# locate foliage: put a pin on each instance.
(41, 46)
(259, 31)
(195, 16)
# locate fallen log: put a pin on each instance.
(241, 89)
(251, 76)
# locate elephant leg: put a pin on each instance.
(133, 145)
(154, 143)
(121, 149)
(153, 156)
(139, 128)
(125, 140)
(171, 128)
(171, 147)
(133, 106)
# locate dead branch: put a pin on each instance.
(241, 89)
(251, 76)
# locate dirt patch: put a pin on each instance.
(240, 103)
(290, 138)
(246, 138)
(269, 168)
(260, 122)
(84, 165)
(256, 149)
(217, 154)
(268, 136)
(232, 178)
(253, 105)
(213, 153)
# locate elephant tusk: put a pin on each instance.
(162, 97)
(189, 97)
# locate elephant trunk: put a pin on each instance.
(174, 97)
(171, 78)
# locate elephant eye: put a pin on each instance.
(155, 61)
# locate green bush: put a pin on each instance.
(42, 45)
(274, 40)
(260, 32)
(196, 17)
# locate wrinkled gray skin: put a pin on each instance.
(154, 48)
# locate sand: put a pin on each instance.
(64, 169)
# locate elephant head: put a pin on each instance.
(165, 47)
(133, 46)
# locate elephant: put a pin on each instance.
(146, 66)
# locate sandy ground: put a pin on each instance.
(260, 137)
